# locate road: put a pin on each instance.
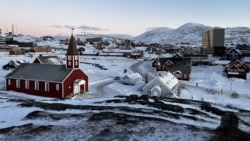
(97, 88)
(144, 67)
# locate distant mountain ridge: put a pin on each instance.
(191, 33)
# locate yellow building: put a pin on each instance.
(213, 38)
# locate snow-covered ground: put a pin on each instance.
(207, 84)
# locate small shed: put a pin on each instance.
(131, 79)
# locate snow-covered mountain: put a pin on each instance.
(155, 35)
(237, 35)
(191, 33)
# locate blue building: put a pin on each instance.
(234, 54)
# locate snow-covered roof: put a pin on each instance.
(168, 79)
(133, 76)
(233, 49)
(44, 72)
(50, 60)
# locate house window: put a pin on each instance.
(185, 76)
(76, 57)
(69, 63)
(9, 82)
(46, 86)
(69, 57)
(36, 85)
(76, 63)
(17, 83)
(27, 84)
(57, 87)
(178, 75)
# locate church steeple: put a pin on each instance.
(72, 57)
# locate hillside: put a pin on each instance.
(191, 33)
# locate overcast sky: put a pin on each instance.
(132, 17)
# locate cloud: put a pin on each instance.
(82, 27)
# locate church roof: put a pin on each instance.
(40, 72)
(72, 50)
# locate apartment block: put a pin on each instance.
(213, 42)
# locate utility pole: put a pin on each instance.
(231, 84)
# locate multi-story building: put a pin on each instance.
(213, 41)
(213, 38)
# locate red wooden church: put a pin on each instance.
(49, 80)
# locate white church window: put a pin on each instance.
(27, 84)
(57, 87)
(17, 83)
(46, 86)
(36, 85)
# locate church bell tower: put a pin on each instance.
(72, 56)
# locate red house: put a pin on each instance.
(237, 69)
(41, 49)
(59, 81)
(180, 67)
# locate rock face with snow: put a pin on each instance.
(191, 33)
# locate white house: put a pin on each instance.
(131, 79)
(164, 85)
